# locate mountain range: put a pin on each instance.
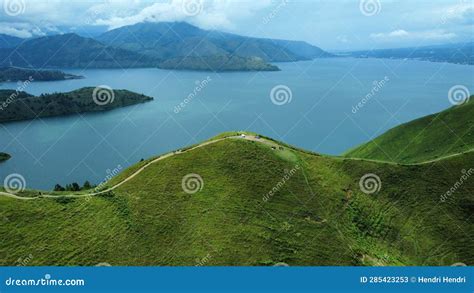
(175, 45)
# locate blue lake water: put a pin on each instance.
(319, 117)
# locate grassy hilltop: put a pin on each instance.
(435, 136)
(316, 213)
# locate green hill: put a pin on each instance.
(428, 138)
(259, 203)
(17, 105)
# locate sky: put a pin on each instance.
(337, 25)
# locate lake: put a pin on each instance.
(326, 105)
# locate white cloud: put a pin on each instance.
(403, 35)
(21, 30)
(204, 13)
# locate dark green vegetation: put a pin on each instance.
(219, 63)
(167, 40)
(22, 74)
(4, 156)
(23, 106)
(71, 51)
(166, 45)
(453, 53)
(318, 216)
(435, 136)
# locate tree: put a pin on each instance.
(75, 186)
(58, 187)
(87, 185)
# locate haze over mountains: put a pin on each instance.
(175, 45)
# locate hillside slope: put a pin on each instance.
(427, 138)
(257, 204)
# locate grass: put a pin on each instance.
(431, 137)
(317, 216)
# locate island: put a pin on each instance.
(12, 74)
(219, 63)
(4, 157)
(19, 105)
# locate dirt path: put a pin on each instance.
(246, 137)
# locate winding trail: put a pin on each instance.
(165, 156)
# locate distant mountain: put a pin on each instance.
(19, 105)
(167, 40)
(72, 51)
(461, 53)
(19, 74)
(7, 41)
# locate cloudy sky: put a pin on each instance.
(333, 25)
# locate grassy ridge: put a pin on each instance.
(318, 216)
(431, 137)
